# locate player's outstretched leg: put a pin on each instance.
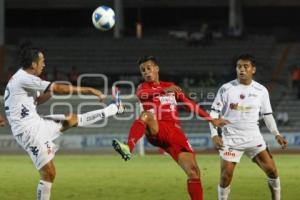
(116, 107)
(137, 131)
(122, 149)
(86, 119)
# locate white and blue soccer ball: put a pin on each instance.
(103, 18)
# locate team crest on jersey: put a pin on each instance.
(234, 106)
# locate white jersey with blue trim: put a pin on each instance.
(242, 105)
(20, 100)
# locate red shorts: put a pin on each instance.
(171, 138)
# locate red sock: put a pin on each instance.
(195, 189)
(136, 132)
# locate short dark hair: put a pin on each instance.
(247, 56)
(28, 55)
(147, 58)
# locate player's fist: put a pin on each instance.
(281, 141)
(173, 88)
(2, 121)
(218, 142)
(219, 122)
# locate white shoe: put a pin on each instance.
(116, 99)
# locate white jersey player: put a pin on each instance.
(241, 102)
(34, 133)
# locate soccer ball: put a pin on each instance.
(103, 18)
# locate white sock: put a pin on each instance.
(58, 117)
(223, 193)
(96, 115)
(274, 185)
(44, 190)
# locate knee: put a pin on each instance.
(272, 172)
(193, 172)
(48, 174)
(146, 117)
(226, 177)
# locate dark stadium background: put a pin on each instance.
(195, 48)
(270, 31)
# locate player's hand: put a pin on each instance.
(281, 141)
(219, 122)
(2, 121)
(218, 142)
(173, 88)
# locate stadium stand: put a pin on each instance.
(112, 57)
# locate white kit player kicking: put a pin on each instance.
(241, 101)
(35, 133)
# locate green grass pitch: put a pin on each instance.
(153, 177)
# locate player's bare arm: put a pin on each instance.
(219, 122)
(216, 122)
(43, 98)
(281, 141)
(218, 142)
(67, 89)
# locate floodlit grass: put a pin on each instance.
(153, 177)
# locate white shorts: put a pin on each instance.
(37, 141)
(235, 148)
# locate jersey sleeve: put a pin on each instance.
(192, 106)
(35, 83)
(218, 102)
(266, 107)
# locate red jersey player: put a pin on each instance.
(160, 122)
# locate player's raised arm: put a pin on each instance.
(193, 107)
(43, 97)
(69, 89)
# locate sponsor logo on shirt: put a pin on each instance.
(236, 106)
(252, 95)
(167, 100)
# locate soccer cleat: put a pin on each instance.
(122, 149)
(116, 99)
